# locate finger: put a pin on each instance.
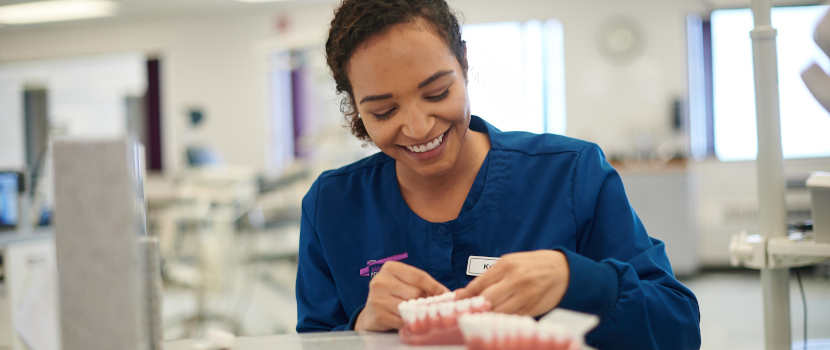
(390, 320)
(418, 278)
(383, 320)
(497, 293)
(390, 316)
(478, 284)
(512, 305)
(406, 292)
(530, 306)
(388, 283)
(391, 306)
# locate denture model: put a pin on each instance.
(434, 320)
(494, 331)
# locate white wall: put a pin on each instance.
(215, 63)
(609, 103)
(86, 97)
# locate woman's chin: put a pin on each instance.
(433, 169)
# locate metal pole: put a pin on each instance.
(771, 182)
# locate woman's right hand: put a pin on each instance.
(395, 282)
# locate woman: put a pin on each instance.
(446, 186)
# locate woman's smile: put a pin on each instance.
(428, 150)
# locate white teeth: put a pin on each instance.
(527, 327)
(448, 296)
(462, 305)
(432, 310)
(421, 313)
(446, 308)
(500, 327)
(429, 146)
(407, 311)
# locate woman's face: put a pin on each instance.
(411, 93)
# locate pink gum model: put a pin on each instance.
(434, 320)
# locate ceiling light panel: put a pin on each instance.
(56, 10)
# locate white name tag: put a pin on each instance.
(476, 265)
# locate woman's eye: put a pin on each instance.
(384, 115)
(440, 97)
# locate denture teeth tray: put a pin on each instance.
(434, 320)
(560, 329)
(491, 331)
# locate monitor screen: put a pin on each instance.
(8, 198)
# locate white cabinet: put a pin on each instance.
(664, 202)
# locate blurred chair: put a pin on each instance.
(194, 215)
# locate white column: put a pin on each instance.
(771, 182)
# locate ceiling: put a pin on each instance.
(131, 9)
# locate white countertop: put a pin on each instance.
(313, 341)
(13, 237)
(349, 340)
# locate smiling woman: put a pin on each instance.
(448, 186)
(413, 95)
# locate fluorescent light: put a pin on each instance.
(56, 10)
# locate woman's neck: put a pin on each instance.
(440, 198)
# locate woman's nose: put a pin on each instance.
(417, 124)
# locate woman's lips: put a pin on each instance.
(429, 153)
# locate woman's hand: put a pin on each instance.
(396, 282)
(526, 283)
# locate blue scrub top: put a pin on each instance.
(532, 192)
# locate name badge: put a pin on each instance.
(476, 265)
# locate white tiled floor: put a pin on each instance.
(732, 316)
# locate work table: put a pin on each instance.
(349, 340)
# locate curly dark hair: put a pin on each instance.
(355, 21)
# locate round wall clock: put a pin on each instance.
(620, 39)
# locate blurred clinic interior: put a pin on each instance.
(236, 114)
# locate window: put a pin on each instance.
(804, 123)
(517, 74)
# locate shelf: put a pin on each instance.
(785, 246)
(753, 251)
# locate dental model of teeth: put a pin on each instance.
(429, 146)
(494, 331)
(434, 320)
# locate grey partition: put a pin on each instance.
(98, 218)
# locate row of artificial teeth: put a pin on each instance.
(490, 326)
(429, 146)
(443, 305)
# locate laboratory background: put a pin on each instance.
(220, 114)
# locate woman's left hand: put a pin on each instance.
(525, 283)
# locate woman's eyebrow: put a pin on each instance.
(426, 82)
(375, 98)
(434, 77)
